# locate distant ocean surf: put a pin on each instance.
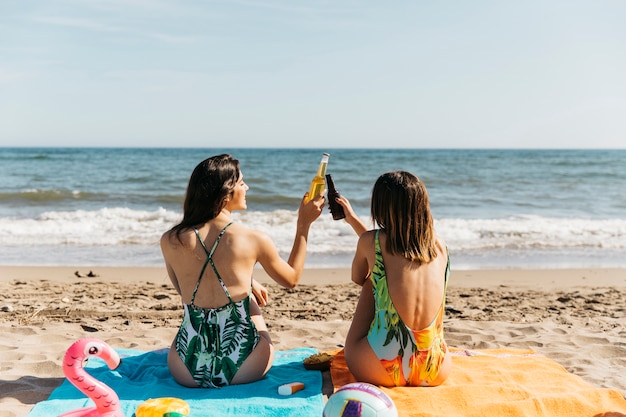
(494, 208)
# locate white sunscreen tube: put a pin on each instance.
(291, 388)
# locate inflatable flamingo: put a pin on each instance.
(106, 400)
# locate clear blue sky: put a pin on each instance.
(289, 73)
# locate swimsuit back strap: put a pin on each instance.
(209, 259)
(445, 285)
(377, 244)
(447, 267)
(217, 240)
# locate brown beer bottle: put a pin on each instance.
(335, 208)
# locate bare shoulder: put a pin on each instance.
(168, 238)
(442, 247)
(367, 237)
(173, 240)
(244, 236)
(167, 235)
(252, 244)
(365, 245)
(240, 230)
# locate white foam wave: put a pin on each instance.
(525, 232)
(110, 227)
(107, 226)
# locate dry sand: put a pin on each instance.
(576, 317)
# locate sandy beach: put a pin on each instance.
(574, 316)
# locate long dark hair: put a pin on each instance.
(211, 182)
(400, 206)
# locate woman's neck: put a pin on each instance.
(225, 216)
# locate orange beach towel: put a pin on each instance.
(498, 383)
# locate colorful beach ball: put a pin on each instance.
(360, 399)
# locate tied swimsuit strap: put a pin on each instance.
(210, 259)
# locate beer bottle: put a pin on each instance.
(318, 183)
(335, 208)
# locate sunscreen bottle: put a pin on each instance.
(291, 388)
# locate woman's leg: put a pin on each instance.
(361, 359)
(259, 362)
(444, 371)
(178, 369)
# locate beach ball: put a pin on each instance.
(360, 399)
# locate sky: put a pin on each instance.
(313, 74)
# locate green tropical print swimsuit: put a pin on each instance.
(411, 357)
(214, 342)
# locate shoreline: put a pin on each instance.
(573, 316)
(548, 278)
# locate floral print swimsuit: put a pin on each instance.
(214, 342)
(411, 357)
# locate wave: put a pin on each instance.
(126, 237)
(125, 226)
(524, 232)
(44, 196)
(68, 199)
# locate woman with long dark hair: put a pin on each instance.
(223, 338)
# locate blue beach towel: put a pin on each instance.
(144, 375)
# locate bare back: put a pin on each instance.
(416, 289)
(234, 258)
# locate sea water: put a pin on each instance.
(494, 208)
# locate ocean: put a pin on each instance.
(494, 208)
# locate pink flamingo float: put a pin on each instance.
(106, 400)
